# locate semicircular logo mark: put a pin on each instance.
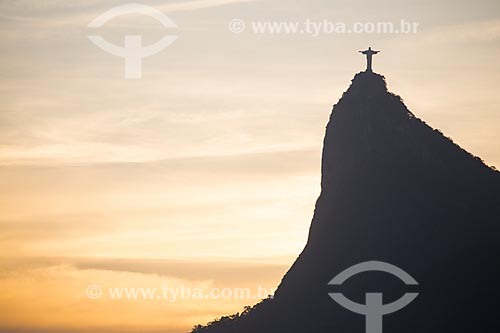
(133, 52)
(374, 309)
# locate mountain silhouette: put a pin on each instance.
(397, 191)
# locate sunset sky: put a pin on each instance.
(204, 172)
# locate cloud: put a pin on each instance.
(174, 207)
(219, 272)
(199, 4)
(67, 12)
(50, 294)
(471, 32)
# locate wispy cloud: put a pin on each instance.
(51, 14)
(199, 4)
(482, 31)
(50, 293)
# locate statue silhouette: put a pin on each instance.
(369, 53)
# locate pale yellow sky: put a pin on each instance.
(212, 159)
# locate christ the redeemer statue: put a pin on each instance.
(369, 53)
